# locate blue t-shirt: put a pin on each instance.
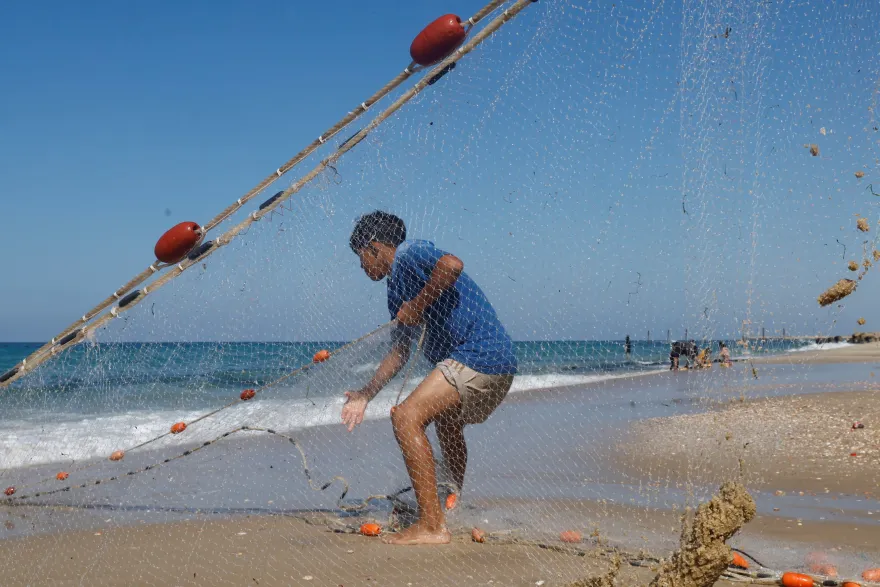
(461, 324)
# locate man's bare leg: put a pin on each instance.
(450, 433)
(433, 398)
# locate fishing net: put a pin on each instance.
(653, 171)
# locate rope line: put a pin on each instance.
(48, 350)
(234, 402)
(361, 504)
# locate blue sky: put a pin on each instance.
(555, 161)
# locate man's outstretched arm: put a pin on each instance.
(356, 402)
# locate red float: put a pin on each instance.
(739, 561)
(571, 536)
(117, 455)
(10, 491)
(178, 241)
(178, 428)
(478, 535)
(321, 356)
(247, 394)
(437, 40)
(62, 476)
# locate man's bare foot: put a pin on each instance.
(418, 534)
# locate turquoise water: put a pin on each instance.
(206, 364)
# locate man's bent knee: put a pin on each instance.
(406, 418)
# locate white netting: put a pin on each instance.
(603, 170)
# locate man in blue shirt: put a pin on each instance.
(473, 354)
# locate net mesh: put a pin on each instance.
(656, 171)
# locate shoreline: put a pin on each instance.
(644, 414)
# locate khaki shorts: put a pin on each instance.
(480, 393)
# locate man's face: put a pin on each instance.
(371, 263)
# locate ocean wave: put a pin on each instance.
(825, 346)
(76, 437)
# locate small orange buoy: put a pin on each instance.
(371, 529)
(796, 580)
(826, 569)
(437, 40)
(451, 501)
(851, 584)
(321, 356)
(871, 575)
(62, 476)
(178, 428)
(571, 536)
(739, 561)
(478, 535)
(9, 491)
(177, 242)
(247, 394)
(117, 455)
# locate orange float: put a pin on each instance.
(851, 584)
(247, 394)
(177, 242)
(571, 536)
(178, 428)
(437, 40)
(796, 580)
(451, 501)
(827, 569)
(871, 575)
(478, 535)
(739, 561)
(62, 476)
(117, 455)
(371, 529)
(10, 491)
(321, 356)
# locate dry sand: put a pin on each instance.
(276, 550)
(792, 443)
(868, 352)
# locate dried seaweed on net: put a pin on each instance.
(606, 580)
(861, 321)
(860, 174)
(876, 254)
(703, 554)
(836, 292)
(862, 224)
(853, 266)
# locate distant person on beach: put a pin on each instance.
(704, 358)
(725, 355)
(674, 355)
(690, 350)
(627, 346)
(464, 339)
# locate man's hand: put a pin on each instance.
(354, 408)
(409, 314)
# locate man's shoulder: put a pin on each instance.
(414, 245)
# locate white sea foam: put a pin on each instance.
(75, 437)
(826, 346)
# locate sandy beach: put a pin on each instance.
(868, 352)
(617, 459)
